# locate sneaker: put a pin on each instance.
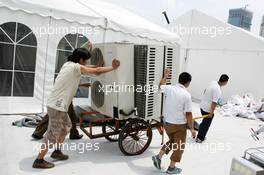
(198, 140)
(76, 137)
(174, 170)
(35, 136)
(156, 161)
(58, 155)
(43, 164)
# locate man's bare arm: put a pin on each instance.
(91, 66)
(213, 106)
(189, 117)
(99, 70)
(164, 79)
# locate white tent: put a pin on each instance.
(211, 47)
(35, 39)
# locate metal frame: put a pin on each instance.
(117, 127)
(96, 121)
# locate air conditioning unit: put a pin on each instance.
(241, 166)
(131, 90)
(171, 61)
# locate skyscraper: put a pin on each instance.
(262, 27)
(240, 17)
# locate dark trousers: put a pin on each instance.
(43, 125)
(204, 126)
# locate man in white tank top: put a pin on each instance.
(59, 100)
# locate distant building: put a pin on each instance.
(240, 17)
(262, 27)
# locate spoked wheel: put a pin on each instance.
(135, 137)
(110, 128)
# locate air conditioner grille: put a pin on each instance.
(97, 57)
(169, 63)
(140, 69)
(97, 94)
(151, 79)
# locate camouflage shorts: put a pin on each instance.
(59, 126)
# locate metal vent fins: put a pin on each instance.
(140, 70)
(168, 63)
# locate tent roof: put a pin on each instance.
(95, 13)
(234, 39)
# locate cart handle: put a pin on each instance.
(201, 117)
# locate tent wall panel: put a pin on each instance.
(235, 51)
(200, 31)
(245, 71)
(27, 104)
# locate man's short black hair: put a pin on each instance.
(79, 53)
(224, 78)
(184, 78)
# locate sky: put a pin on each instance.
(152, 9)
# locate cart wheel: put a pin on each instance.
(108, 128)
(135, 137)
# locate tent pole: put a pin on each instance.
(104, 35)
(45, 67)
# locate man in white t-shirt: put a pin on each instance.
(59, 100)
(210, 99)
(177, 116)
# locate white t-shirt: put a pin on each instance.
(211, 94)
(65, 86)
(177, 101)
